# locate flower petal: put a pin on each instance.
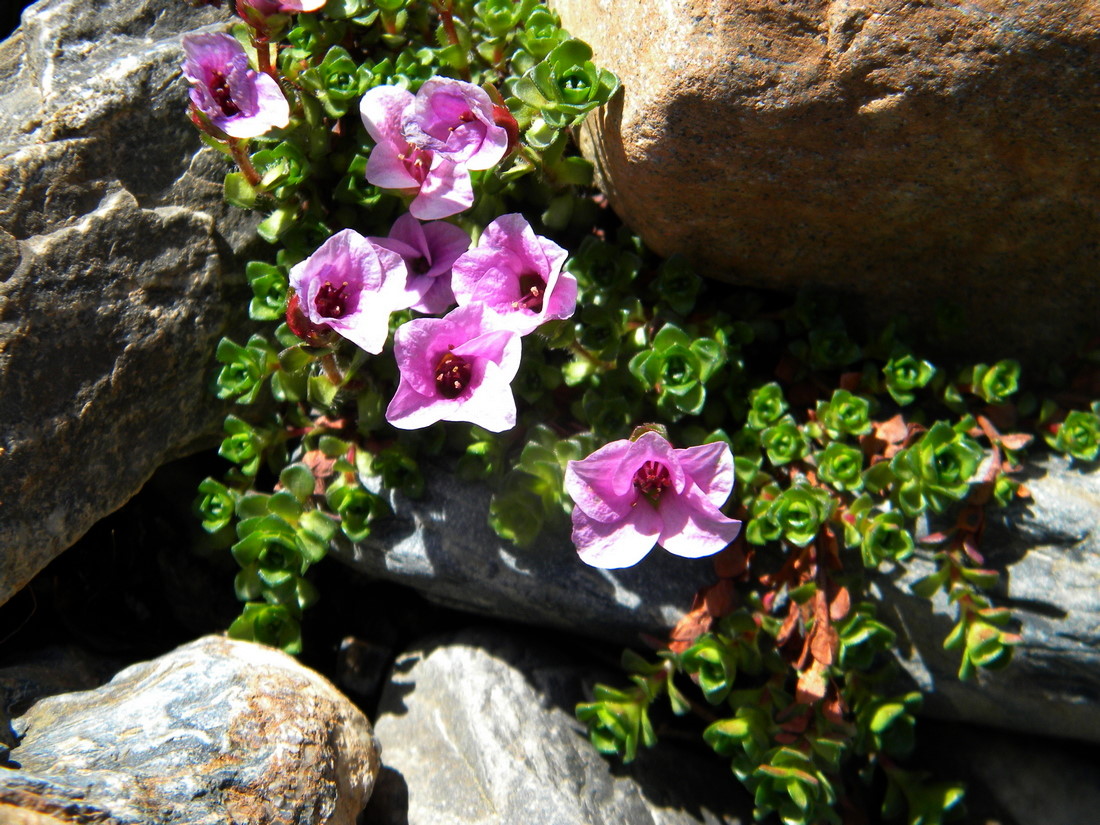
(615, 544)
(590, 482)
(382, 110)
(692, 526)
(409, 410)
(490, 405)
(710, 466)
(650, 446)
(447, 190)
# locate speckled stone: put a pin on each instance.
(214, 733)
(1048, 548)
(117, 263)
(909, 152)
(478, 729)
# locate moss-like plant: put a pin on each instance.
(399, 150)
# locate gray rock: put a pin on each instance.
(444, 547)
(116, 268)
(1050, 547)
(1014, 779)
(49, 671)
(479, 728)
(217, 731)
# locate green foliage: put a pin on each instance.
(843, 436)
(1078, 436)
(904, 375)
(565, 85)
(677, 367)
(935, 471)
(244, 368)
(998, 383)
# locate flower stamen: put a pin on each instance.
(219, 89)
(532, 289)
(332, 302)
(452, 375)
(651, 480)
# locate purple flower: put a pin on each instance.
(241, 102)
(517, 275)
(457, 120)
(268, 7)
(351, 285)
(455, 368)
(630, 495)
(429, 250)
(442, 188)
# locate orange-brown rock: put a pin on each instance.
(905, 151)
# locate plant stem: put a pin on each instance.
(244, 162)
(332, 372)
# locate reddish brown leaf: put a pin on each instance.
(1003, 416)
(834, 709)
(824, 643)
(811, 685)
(788, 626)
(709, 603)
(892, 430)
(719, 598)
(798, 721)
(934, 538)
(732, 563)
(1016, 441)
(840, 602)
(321, 466)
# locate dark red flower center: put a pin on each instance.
(420, 266)
(332, 301)
(418, 162)
(219, 88)
(532, 289)
(651, 480)
(452, 374)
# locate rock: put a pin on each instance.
(444, 547)
(217, 731)
(479, 728)
(116, 264)
(49, 671)
(1050, 552)
(1014, 779)
(908, 152)
(1050, 549)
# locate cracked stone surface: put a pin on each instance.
(478, 727)
(215, 732)
(1048, 549)
(118, 262)
(910, 153)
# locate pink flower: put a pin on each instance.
(457, 120)
(351, 285)
(429, 250)
(241, 102)
(517, 275)
(455, 368)
(630, 495)
(265, 8)
(441, 188)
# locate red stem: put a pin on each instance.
(244, 162)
